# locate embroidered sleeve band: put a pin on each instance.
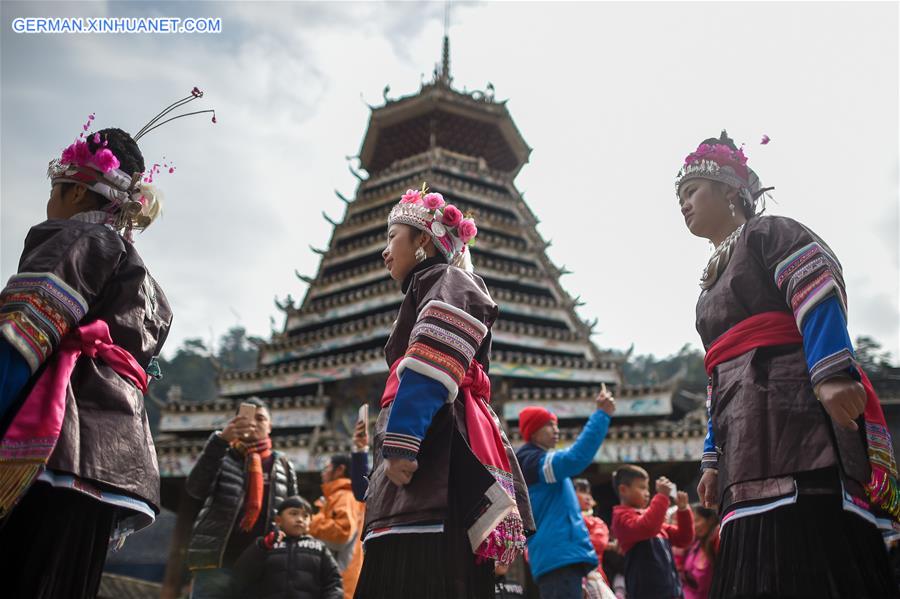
(443, 343)
(807, 277)
(36, 310)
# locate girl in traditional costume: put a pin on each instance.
(447, 499)
(80, 325)
(798, 456)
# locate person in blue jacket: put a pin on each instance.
(560, 552)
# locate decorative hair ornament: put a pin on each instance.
(718, 160)
(450, 230)
(132, 201)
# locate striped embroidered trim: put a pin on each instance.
(28, 340)
(790, 265)
(434, 364)
(463, 345)
(455, 317)
(838, 362)
(810, 295)
(51, 285)
(880, 447)
(808, 276)
(549, 475)
(710, 459)
(36, 310)
(401, 530)
(397, 444)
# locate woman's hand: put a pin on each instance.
(708, 487)
(399, 470)
(844, 399)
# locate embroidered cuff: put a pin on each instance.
(841, 363)
(709, 460)
(396, 445)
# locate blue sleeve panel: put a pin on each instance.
(418, 399)
(14, 375)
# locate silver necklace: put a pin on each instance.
(719, 259)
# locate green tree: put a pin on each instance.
(871, 356)
(237, 351)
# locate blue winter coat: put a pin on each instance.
(562, 537)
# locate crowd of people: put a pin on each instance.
(798, 474)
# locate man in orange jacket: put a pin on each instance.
(338, 522)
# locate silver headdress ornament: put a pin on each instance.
(451, 232)
(719, 160)
(132, 201)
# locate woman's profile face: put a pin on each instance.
(400, 254)
(704, 207)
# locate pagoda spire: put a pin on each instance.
(444, 75)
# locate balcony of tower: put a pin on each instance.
(352, 252)
(634, 404)
(543, 369)
(303, 375)
(370, 269)
(470, 168)
(329, 338)
(503, 209)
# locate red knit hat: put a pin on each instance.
(532, 418)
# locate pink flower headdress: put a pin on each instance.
(132, 201)
(450, 230)
(720, 160)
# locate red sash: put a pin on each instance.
(779, 328)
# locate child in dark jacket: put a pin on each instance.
(645, 537)
(289, 564)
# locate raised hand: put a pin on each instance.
(238, 427)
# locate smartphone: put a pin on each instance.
(674, 493)
(363, 416)
(248, 411)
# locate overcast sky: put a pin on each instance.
(611, 96)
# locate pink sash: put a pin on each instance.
(28, 443)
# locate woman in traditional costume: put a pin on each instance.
(798, 456)
(447, 499)
(80, 325)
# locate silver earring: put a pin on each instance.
(420, 254)
(731, 207)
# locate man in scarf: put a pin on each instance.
(240, 480)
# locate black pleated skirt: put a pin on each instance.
(54, 544)
(423, 566)
(811, 549)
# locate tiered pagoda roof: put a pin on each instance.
(467, 147)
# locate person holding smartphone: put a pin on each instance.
(240, 480)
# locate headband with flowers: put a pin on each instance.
(132, 202)
(718, 160)
(450, 230)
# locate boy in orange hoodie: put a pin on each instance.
(645, 537)
(339, 521)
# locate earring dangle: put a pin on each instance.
(731, 207)
(420, 254)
